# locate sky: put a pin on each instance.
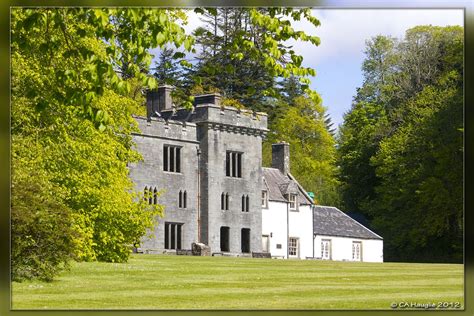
(343, 33)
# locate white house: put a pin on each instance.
(287, 220)
(293, 227)
(339, 237)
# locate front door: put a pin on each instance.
(356, 251)
(265, 243)
(293, 247)
(326, 249)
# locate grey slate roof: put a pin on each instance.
(330, 221)
(274, 182)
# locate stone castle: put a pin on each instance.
(208, 161)
(204, 165)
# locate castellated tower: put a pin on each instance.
(207, 162)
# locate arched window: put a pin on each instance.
(222, 201)
(145, 194)
(227, 201)
(243, 203)
(184, 199)
(155, 196)
(180, 199)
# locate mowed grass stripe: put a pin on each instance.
(180, 282)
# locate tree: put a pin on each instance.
(312, 149)
(290, 88)
(41, 232)
(41, 32)
(71, 130)
(358, 141)
(421, 172)
(400, 147)
(167, 70)
(242, 51)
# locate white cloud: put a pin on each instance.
(344, 31)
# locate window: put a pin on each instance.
(245, 203)
(233, 164)
(150, 195)
(225, 201)
(356, 251)
(293, 246)
(173, 235)
(225, 238)
(292, 200)
(145, 194)
(171, 158)
(326, 249)
(264, 199)
(245, 240)
(182, 199)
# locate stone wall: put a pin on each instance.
(149, 172)
(204, 133)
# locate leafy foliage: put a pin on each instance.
(94, 44)
(312, 149)
(167, 69)
(400, 147)
(71, 134)
(42, 235)
(243, 50)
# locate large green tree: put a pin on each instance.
(241, 52)
(400, 147)
(312, 148)
(71, 124)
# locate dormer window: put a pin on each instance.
(292, 200)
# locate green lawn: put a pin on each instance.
(184, 282)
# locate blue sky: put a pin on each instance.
(343, 32)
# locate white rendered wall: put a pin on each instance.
(372, 250)
(341, 248)
(274, 219)
(301, 226)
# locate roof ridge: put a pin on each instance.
(301, 188)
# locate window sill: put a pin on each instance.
(172, 172)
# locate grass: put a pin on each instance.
(186, 282)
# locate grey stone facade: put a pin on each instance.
(212, 140)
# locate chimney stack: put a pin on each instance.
(211, 98)
(281, 157)
(159, 100)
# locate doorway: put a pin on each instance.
(225, 238)
(266, 243)
(326, 249)
(245, 240)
